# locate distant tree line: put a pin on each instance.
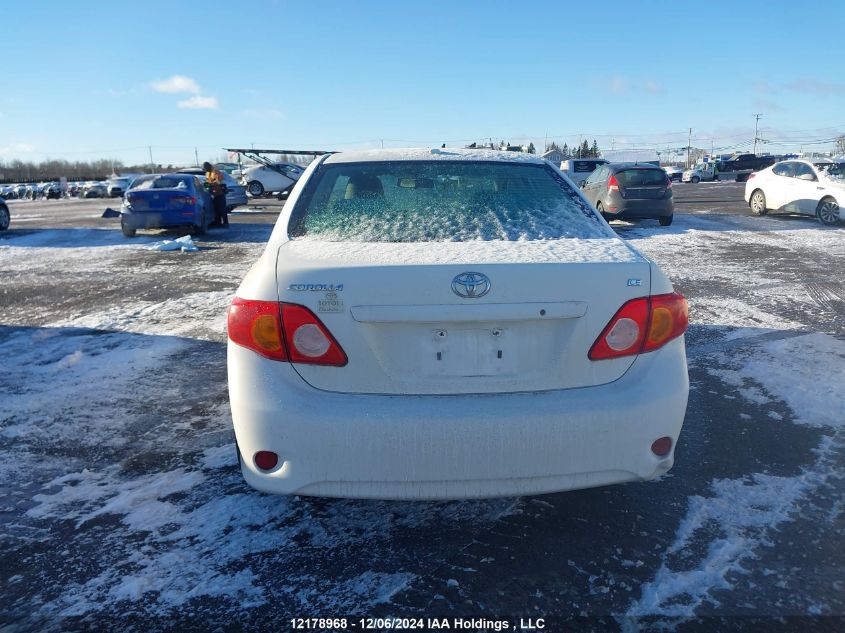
(16, 171)
(582, 151)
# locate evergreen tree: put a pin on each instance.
(565, 151)
(594, 150)
(584, 150)
(532, 149)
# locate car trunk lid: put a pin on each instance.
(396, 310)
(159, 199)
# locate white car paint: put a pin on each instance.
(270, 180)
(425, 407)
(699, 172)
(799, 186)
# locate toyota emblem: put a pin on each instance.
(471, 285)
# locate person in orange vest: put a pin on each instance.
(217, 187)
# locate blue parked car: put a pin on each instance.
(161, 201)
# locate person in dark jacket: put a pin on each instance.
(217, 187)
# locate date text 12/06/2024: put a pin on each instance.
(418, 624)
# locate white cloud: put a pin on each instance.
(176, 84)
(198, 102)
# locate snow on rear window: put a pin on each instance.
(161, 182)
(438, 201)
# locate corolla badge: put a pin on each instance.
(471, 285)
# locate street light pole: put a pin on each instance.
(756, 124)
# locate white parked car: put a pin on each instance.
(674, 173)
(116, 187)
(439, 324)
(799, 186)
(262, 180)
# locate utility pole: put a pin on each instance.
(152, 164)
(197, 157)
(756, 124)
(689, 146)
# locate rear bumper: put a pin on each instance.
(159, 220)
(619, 207)
(446, 447)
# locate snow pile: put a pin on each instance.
(806, 372)
(184, 244)
(429, 154)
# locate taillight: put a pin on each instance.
(612, 183)
(308, 340)
(283, 331)
(257, 325)
(669, 319)
(642, 325)
(668, 183)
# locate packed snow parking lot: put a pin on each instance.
(123, 502)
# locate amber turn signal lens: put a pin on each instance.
(265, 333)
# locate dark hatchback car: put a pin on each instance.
(631, 191)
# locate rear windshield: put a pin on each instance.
(641, 177)
(441, 201)
(161, 182)
(585, 166)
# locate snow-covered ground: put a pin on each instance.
(121, 496)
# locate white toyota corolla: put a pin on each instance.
(435, 324)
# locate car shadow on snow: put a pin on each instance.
(129, 502)
(109, 237)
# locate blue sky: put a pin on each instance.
(93, 79)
